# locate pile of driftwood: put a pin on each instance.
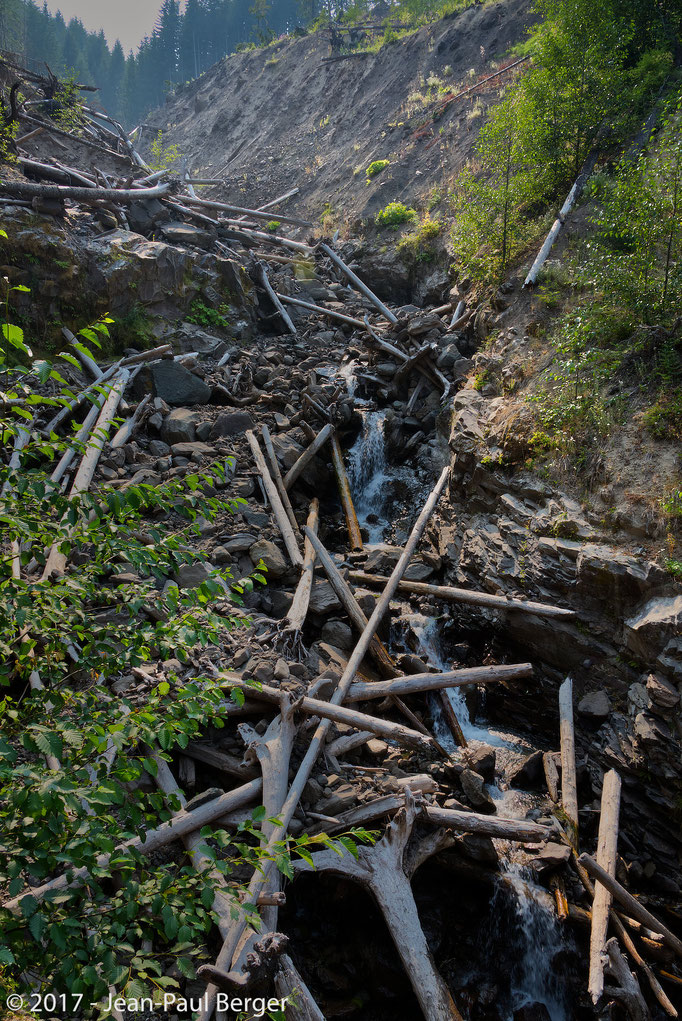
(299, 718)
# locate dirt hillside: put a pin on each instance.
(271, 119)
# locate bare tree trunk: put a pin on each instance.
(606, 857)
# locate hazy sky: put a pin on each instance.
(127, 20)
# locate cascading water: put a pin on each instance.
(521, 912)
(368, 476)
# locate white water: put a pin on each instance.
(368, 476)
(533, 926)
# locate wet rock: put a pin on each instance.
(476, 847)
(528, 774)
(653, 625)
(552, 856)
(532, 1012)
(612, 577)
(482, 760)
(232, 424)
(270, 555)
(475, 790)
(596, 705)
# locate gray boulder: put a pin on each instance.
(233, 423)
(270, 555)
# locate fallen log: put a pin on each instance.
(571, 199)
(354, 535)
(359, 284)
(298, 611)
(489, 825)
(253, 213)
(275, 502)
(321, 311)
(277, 479)
(303, 773)
(128, 427)
(630, 903)
(341, 714)
(569, 783)
(307, 456)
(273, 239)
(627, 991)
(414, 683)
(284, 315)
(181, 824)
(384, 871)
(57, 191)
(74, 444)
(290, 986)
(460, 595)
(607, 845)
(224, 763)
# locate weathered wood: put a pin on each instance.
(307, 456)
(321, 311)
(451, 720)
(317, 741)
(489, 825)
(354, 535)
(358, 619)
(298, 611)
(359, 284)
(627, 991)
(457, 314)
(224, 763)
(275, 502)
(607, 845)
(275, 239)
(254, 214)
(569, 783)
(555, 229)
(382, 869)
(57, 191)
(128, 427)
(279, 482)
(551, 776)
(341, 714)
(182, 823)
(415, 683)
(460, 595)
(272, 294)
(290, 986)
(630, 903)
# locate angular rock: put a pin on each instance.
(596, 705)
(528, 774)
(475, 790)
(482, 761)
(234, 423)
(193, 575)
(189, 450)
(653, 625)
(270, 555)
(174, 383)
(662, 692)
(180, 426)
(323, 599)
(552, 856)
(337, 633)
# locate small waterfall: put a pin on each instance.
(429, 648)
(368, 475)
(536, 931)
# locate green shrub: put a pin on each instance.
(394, 214)
(375, 168)
(417, 246)
(202, 314)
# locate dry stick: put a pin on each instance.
(222, 904)
(298, 611)
(628, 991)
(360, 692)
(322, 311)
(57, 191)
(275, 502)
(57, 560)
(300, 780)
(286, 318)
(307, 456)
(569, 785)
(359, 620)
(461, 305)
(354, 535)
(461, 595)
(350, 604)
(362, 287)
(280, 198)
(166, 833)
(253, 213)
(571, 200)
(277, 479)
(607, 846)
(630, 903)
(340, 714)
(128, 427)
